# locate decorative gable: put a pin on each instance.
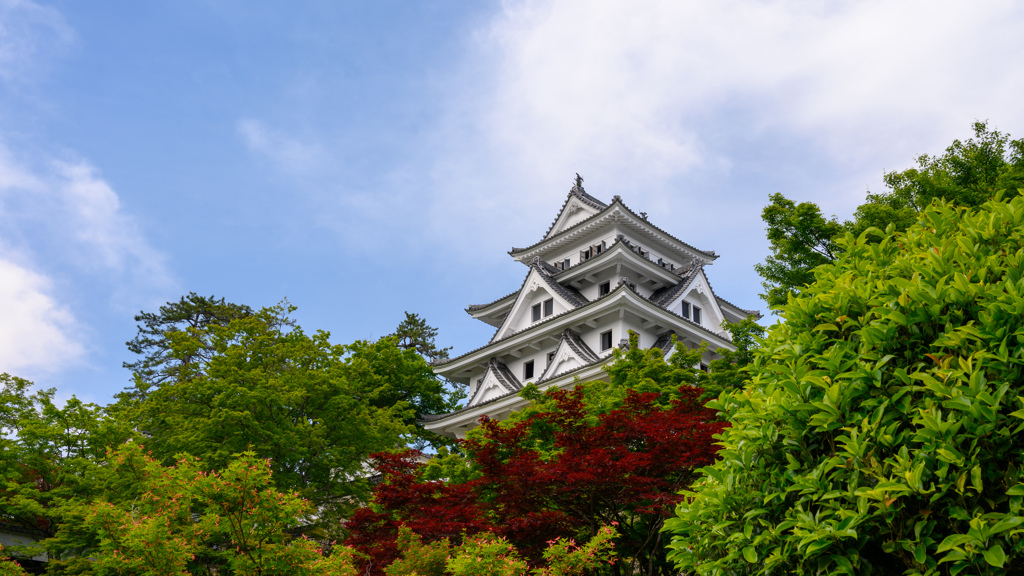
(698, 293)
(539, 289)
(578, 207)
(572, 353)
(496, 382)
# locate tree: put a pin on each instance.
(192, 314)
(489, 555)
(182, 520)
(967, 174)
(415, 334)
(800, 239)
(311, 407)
(882, 429)
(573, 462)
(389, 376)
(48, 454)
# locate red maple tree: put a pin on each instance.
(562, 472)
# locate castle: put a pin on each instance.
(600, 271)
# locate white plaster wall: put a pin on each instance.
(573, 252)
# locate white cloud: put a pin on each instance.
(64, 229)
(639, 97)
(37, 334)
(109, 239)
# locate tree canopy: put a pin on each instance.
(883, 428)
(193, 315)
(967, 174)
(603, 454)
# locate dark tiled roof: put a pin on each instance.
(474, 307)
(435, 417)
(664, 296)
(538, 324)
(664, 341)
(756, 313)
(503, 375)
(709, 253)
(575, 341)
(568, 292)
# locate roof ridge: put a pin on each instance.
(709, 253)
(577, 191)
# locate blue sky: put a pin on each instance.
(367, 158)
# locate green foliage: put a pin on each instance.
(800, 239)
(10, 567)
(883, 429)
(316, 410)
(490, 555)
(48, 455)
(967, 174)
(388, 377)
(418, 558)
(186, 521)
(730, 370)
(192, 314)
(415, 334)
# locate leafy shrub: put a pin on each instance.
(882, 431)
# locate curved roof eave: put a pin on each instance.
(620, 289)
(710, 254)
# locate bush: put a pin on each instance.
(881, 433)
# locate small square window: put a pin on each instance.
(549, 307)
(696, 315)
(604, 288)
(536, 312)
(551, 358)
(686, 310)
(565, 264)
(606, 340)
(528, 370)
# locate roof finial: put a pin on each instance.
(579, 183)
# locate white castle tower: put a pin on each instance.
(600, 271)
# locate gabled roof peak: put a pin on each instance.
(579, 193)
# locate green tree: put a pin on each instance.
(882, 429)
(314, 409)
(413, 333)
(193, 314)
(968, 174)
(182, 520)
(800, 239)
(48, 454)
(388, 375)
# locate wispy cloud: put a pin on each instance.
(28, 31)
(286, 151)
(63, 225)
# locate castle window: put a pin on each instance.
(549, 307)
(551, 358)
(606, 341)
(528, 370)
(565, 264)
(604, 288)
(696, 315)
(536, 312)
(686, 310)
